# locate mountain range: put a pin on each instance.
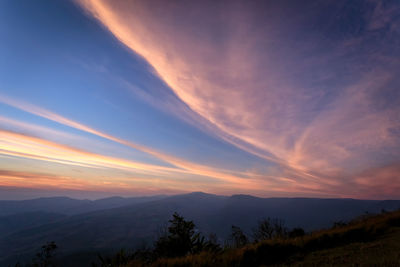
(86, 227)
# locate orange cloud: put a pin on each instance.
(48, 181)
(32, 147)
(40, 180)
(170, 178)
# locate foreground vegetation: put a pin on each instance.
(370, 240)
(367, 241)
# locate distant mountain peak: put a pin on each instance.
(243, 196)
(199, 193)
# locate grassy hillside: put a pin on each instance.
(385, 251)
(367, 241)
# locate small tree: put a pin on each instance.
(44, 257)
(238, 238)
(280, 230)
(180, 240)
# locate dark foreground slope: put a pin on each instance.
(371, 241)
(131, 226)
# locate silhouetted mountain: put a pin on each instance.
(68, 206)
(131, 225)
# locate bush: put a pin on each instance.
(270, 228)
(296, 232)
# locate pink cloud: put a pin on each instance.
(229, 69)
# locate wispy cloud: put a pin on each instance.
(309, 99)
(40, 180)
(32, 147)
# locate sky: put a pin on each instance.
(132, 98)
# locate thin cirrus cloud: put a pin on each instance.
(28, 146)
(135, 174)
(278, 80)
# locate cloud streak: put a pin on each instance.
(24, 145)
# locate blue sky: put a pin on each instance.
(120, 97)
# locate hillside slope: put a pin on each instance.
(370, 241)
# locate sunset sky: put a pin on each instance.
(268, 98)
